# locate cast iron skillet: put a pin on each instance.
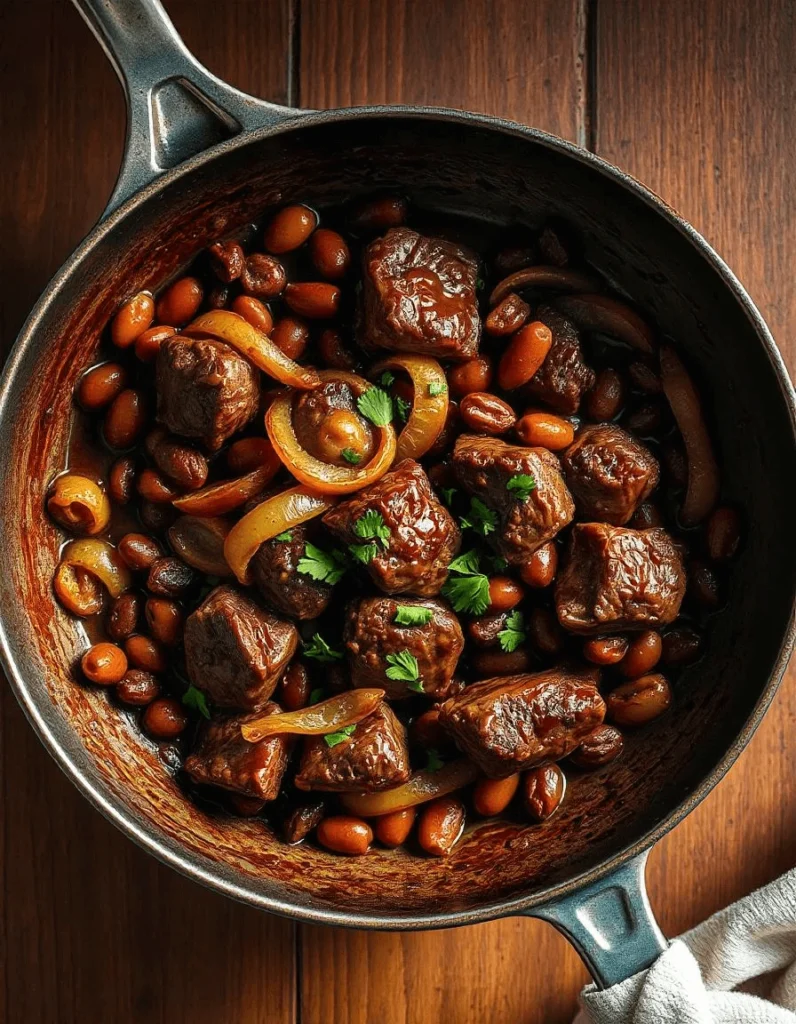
(203, 159)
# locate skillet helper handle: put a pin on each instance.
(610, 923)
(176, 108)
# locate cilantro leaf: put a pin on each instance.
(371, 526)
(316, 695)
(411, 615)
(363, 553)
(333, 738)
(403, 666)
(284, 538)
(433, 761)
(323, 566)
(514, 634)
(480, 283)
(376, 405)
(466, 563)
(480, 518)
(468, 588)
(387, 379)
(437, 387)
(448, 494)
(318, 649)
(498, 562)
(402, 409)
(416, 685)
(352, 458)
(194, 698)
(521, 485)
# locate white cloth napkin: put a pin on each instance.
(693, 981)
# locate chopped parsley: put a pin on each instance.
(195, 699)
(333, 738)
(467, 588)
(376, 405)
(448, 494)
(437, 387)
(480, 518)
(351, 457)
(317, 695)
(284, 538)
(411, 615)
(364, 553)
(433, 761)
(514, 634)
(371, 526)
(323, 566)
(403, 666)
(387, 379)
(416, 685)
(402, 409)
(521, 486)
(318, 649)
(480, 283)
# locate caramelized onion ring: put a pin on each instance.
(319, 719)
(422, 787)
(602, 313)
(79, 504)
(555, 278)
(226, 495)
(98, 559)
(255, 346)
(429, 412)
(270, 518)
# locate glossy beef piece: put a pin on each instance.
(423, 535)
(616, 579)
(221, 757)
(235, 651)
(419, 296)
(609, 473)
(274, 571)
(371, 634)
(205, 389)
(511, 723)
(563, 377)
(484, 466)
(373, 757)
(312, 408)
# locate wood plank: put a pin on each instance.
(91, 928)
(697, 101)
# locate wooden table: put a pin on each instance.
(695, 99)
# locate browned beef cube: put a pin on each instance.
(419, 296)
(274, 570)
(485, 466)
(235, 651)
(609, 473)
(373, 757)
(616, 579)
(563, 377)
(205, 389)
(423, 537)
(372, 634)
(511, 723)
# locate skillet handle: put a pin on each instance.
(175, 107)
(610, 923)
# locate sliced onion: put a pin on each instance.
(318, 720)
(226, 495)
(703, 474)
(422, 787)
(78, 591)
(255, 346)
(270, 518)
(100, 559)
(429, 412)
(200, 543)
(602, 313)
(79, 504)
(556, 278)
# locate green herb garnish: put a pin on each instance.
(514, 634)
(521, 486)
(448, 494)
(195, 699)
(433, 761)
(498, 562)
(284, 538)
(364, 553)
(416, 685)
(333, 738)
(376, 405)
(411, 615)
(371, 526)
(323, 566)
(480, 518)
(402, 409)
(316, 695)
(387, 379)
(352, 457)
(403, 667)
(467, 589)
(437, 387)
(318, 649)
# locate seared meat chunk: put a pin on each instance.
(372, 634)
(419, 296)
(609, 473)
(563, 377)
(422, 535)
(222, 757)
(235, 651)
(274, 570)
(373, 757)
(205, 389)
(486, 465)
(326, 420)
(616, 579)
(511, 723)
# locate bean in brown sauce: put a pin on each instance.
(145, 653)
(289, 228)
(164, 619)
(121, 480)
(723, 534)
(254, 312)
(137, 688)
(470, 377)
(125, 419)
(540, 569)
(440, 825)
(124, 615)
(380, 214)
(344, 834)
(639, 701)
(180, 302)
(263, 276)
(138, 551)
(681, 646)
(226, 260)
(334, 352)
(154, 487)
(104, 664)
(544, 632)
(293, 690)
(606, 650)
(290, 335)
(605, 399)
(602, 745)
(302, 820)
(100, 385)
(147, 345)
(315, 300)
(392, 830)
(492, 796)
(485, 413)
(507, 316)
(330, 254)
(165, 718)
(643, 654)
(490, 663)
(134, 317)
(543, 790)
(169, 577)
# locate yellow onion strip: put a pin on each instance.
(226, 495)
(79, 504)
(315, 473)
(555, 278)
(199, 541)
(429, 411)
(255, 346)
(327, 716)
(101, 560)
(703, 473)
(270, 518)
(422, 787)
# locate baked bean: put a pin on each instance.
(246, 806)
(124, 615)
(290, 228)
(646, 516)
(644, 378)
(492, 796)
(316, 300)
(333, 351)
(501, 663)
(133, 318)
(507, 316)
(513, 258)
(154, 487)
(645, 420)
(137, 688)
(540, 569)
(294, 687)
(606, 650)
(639, 701)
(165, 718)
(125, 419)
(156, 517)
(180, 302)
(393, 830)
(218, 296)
(290, 335)
(248, 453)
(253, 312)
(605, 399)
(544, 631)
(523, 356)
(164, 619)
(169, 577)
(80, 593)
(485, 413)
(79, 504)
(543, 789)
(263, 276)
(226, 260)
(676, 464)
(186, 466)
(703, 585)
(449, 431)
(380, 214)
(643, 654)
(145, 653)
(467, 378)
(681, 646)
(156, 436)
(426, 733)
(139, 552)
(330, 254)
(121, 480)
(100, 385)
(603, 744)
(504, 594)
(723, 534)
(302, 820)
(104, 664)
(147, 345)
(344, 834)
(485, 631)
(440, 825)
(545, 430)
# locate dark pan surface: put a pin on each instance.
(501, 172)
